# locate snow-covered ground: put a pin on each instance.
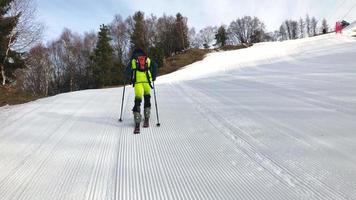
(275, 121)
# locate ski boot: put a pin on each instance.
(147, 113)
(137, 128)
(146, 123)
(137, 118)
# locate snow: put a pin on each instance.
(274, 121)
(350, 30)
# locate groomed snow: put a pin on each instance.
(275, 121)
(350, 30)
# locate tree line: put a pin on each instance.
(95, 60)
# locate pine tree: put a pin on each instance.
(221, 36)
(181, 33)
(103, 67)
(138, 37)
(7, 24)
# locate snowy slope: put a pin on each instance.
(351, 29)
(275, 121)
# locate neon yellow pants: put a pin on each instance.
(142, 89)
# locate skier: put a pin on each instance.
(141, 71)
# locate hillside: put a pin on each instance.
(12, 96)
(274, 121)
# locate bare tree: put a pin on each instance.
(120, 34)
(314, 26)
(324, 26)
(301, 28)
(283, 33)
(165, 36)
(244, 29)
(308, 25)
(151, 27)
(207, 36)
(28, 30)
(38, 74)
(192, 36)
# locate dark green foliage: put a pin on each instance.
(7, 24)
(138, 37)
(103, 66)
(221, 36)
(157, 55)
(180, 33)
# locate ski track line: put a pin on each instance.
(14, 127)
(296, 97)
(246, 180)
(304, 173)
(22, 114)
(25, 181)
(293, 130)
(343, 154)
(33, 143)
(269, 164)
(102, 183)
(250, 195)
(27, 150)
(291, 93)
(218, 193)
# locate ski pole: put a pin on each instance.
(154, 92)
(122, 102)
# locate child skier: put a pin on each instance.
(141, 71)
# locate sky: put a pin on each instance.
(87, 15)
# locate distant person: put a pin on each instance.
(141, 71)
(338, 27)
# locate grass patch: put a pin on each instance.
(234, 47)
(190, 56)
(185, 58)
(11, 96)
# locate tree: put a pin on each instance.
(181, 33)
(301, 28)
(38, 74)
(324, 26)
(138, 37)
(120, 34)
(165, 34)
(308, 25)
(221, 36)
(289, 30)
(283, 33)
(193, 39)
(314, 26)
(103, 59)
(243, 29)
(151, 30)
(207, 36)
(28, 30)
(7, 25)
(24, 32)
